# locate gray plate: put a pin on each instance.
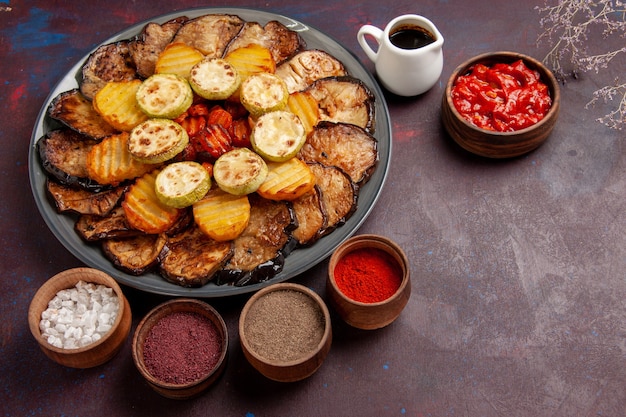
(298, 261)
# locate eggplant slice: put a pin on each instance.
(344, 100)
(76, 112)
(191, 258)
(111, 62)
(93, 228)
(63, 155)
(282, 42)
(311, 217)
(261, 249)
(306, 67)
(210, 34)
(338, 195)
(346, 146)
(75, 200)
(135, 255)
(146, 47)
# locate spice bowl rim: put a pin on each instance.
(172, 390)
(363, 315)
(369, 238)
(322, 347)
(497, 137)
(80, 357)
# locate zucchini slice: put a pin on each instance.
(157, 140)
(262, 93)
(164, 96)
(214, 79)
(240, 171)
(182, 183)
(278, 136)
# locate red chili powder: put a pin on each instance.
(182, 347)
(368, 275)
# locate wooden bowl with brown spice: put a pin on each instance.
(180, 348)
(369, 281)
(80, 318)
(285, 332)
(496, 115)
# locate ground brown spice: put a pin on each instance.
(182, 347)
(284, 325)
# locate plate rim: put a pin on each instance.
(52, 218)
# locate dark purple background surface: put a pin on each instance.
(517, 266)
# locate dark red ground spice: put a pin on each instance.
(182, 347)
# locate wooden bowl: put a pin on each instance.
(369, 315)
(96, 353)
(187, 390)
(494, 144)
(291, 343)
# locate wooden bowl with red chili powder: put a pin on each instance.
(180, 347)
(500, 104)
(285, 332)
(369, 281)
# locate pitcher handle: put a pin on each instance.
(375, 33)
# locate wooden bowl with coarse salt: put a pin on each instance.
(80, 318)
(285, 332)
(369, 281)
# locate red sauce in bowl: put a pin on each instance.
(501, 97)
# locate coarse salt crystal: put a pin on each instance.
(79, 316)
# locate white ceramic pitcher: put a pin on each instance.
(405, 72)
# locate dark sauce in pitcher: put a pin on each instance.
(411, 37)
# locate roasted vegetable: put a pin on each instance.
(275, 37)
(135, 255)
(144, 211)
(210, 34)
(214, 79)
(164, 96)
(306, 67)
(92, 227)
(109, 162)
(63, 154)
(81, 201)
(304, 105)
(263, 93)
(221, 215)
(251, 59)
(157, 140)
(338, 195)
(346, 146)
(344, 100)
(311, 217)
(192, 258)
(108, 63)
(117, 103)
(177, 58)
(287, 180)
(181, 184)
(278, 136)
(240, 171)
(76, 112)
(146, 47)
(259, 252)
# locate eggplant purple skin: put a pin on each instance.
(62, 176)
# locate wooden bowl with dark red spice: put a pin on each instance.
(180, 347)
(500, 104)
(285, 332)
(369, 281)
